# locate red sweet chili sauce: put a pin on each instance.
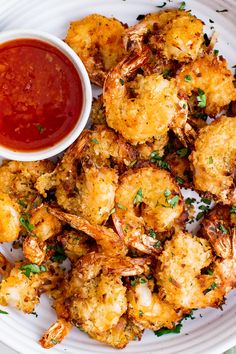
(40, 95)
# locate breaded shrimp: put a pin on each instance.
(9, 219)
(148, 202)
(213, 160)
(210, 74)
(98, 42)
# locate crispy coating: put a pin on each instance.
(97, 114)
(210, 74)
(157, 144)
(22, 292)
(18, 178)
(156, 189)
(213, 160)
(218, 226)
(98, 42)
(9, 219)
(179, 275)
(174, 34)
(180, 168)
(149, 104)
(146, 308)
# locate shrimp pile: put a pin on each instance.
(112, 206)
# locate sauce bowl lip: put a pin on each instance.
(7, 36)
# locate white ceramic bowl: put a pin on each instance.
(86, 88)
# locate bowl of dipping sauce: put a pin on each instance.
(45, 95)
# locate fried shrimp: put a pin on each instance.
(18, 178)
(44, 226)
(95, 297)
(9, 219)
(106, 238)
(84, 180)
(208, 75)
(148, 202)
(150, 104)
(147, 310)
(25, 282)
(213, 160)
(180, 276)
(174, 34)
(98, 42)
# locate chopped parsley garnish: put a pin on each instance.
(216, 52)
(40, 128)
(157, 244)
(182, 152)
(232, 209)
(179, 180)
(206, 201)
(210, 160)
(54, 341)
(189, 315)
(59, 255)
(204, 207)
(161, 6)
(122, 82)
(120, 206)
(164, 164)
(211, 287)
(140, 313)
(223, 229)
(182, 6)
(155, 158)
(113, 210)
(167, 193)
(173, 201)
(188, 78)
(27, 269)
(165, 330)
(152, 233)
(210, 272)
(95, 141)
(201, 98)
(4, 312)
(224, 10)
(26, 223)
(200, 215)
(142, 280)
(190, 201)
(138, 197)
(133, 282)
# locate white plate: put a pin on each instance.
(213, 331)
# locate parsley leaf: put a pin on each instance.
(122, 82)
(166, 73)
(152, 233)
(211, 287)
(138, 197)
(120, 206)
(167, 193)
(95, 141)
(26, 223)
(182, 6)
(201, 98)
(165, 330)
(182, 152)
(173, 201)
(4, 312)
(216, 52)
(27, 269)
(223, 229)
(179, 180)
(54, 341)
(188, 78)
(233, 209)
(59, 255)
(190, 201)
(206, 201)
(157, 244)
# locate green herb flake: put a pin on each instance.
(166, 73)
(94, 141)
(140, 313)
(26, 223)
(210, 160)
(232, 209)
(152, 233)
(3, 312)
(206, 201)
(165, 330)
(190, 201)
(161, 6)
(142, 281)
(167, 193)
(210, 272)
(201, 98)
(122, 82)
(138, 197)
(188, 78)
(204, 207)
(40, 128)
(216, 52)
(113, 210)
(223, 229)
(154, 156)
(211, 287)
(120, 206)
(164, 164)
(22, 203)
(54, 341)
(179, 180)
(59, 255)
(200, 215)
(182, 152)
(182, 6)
(27, 269)
(157, 244)
(173, 201)
(133, 282)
